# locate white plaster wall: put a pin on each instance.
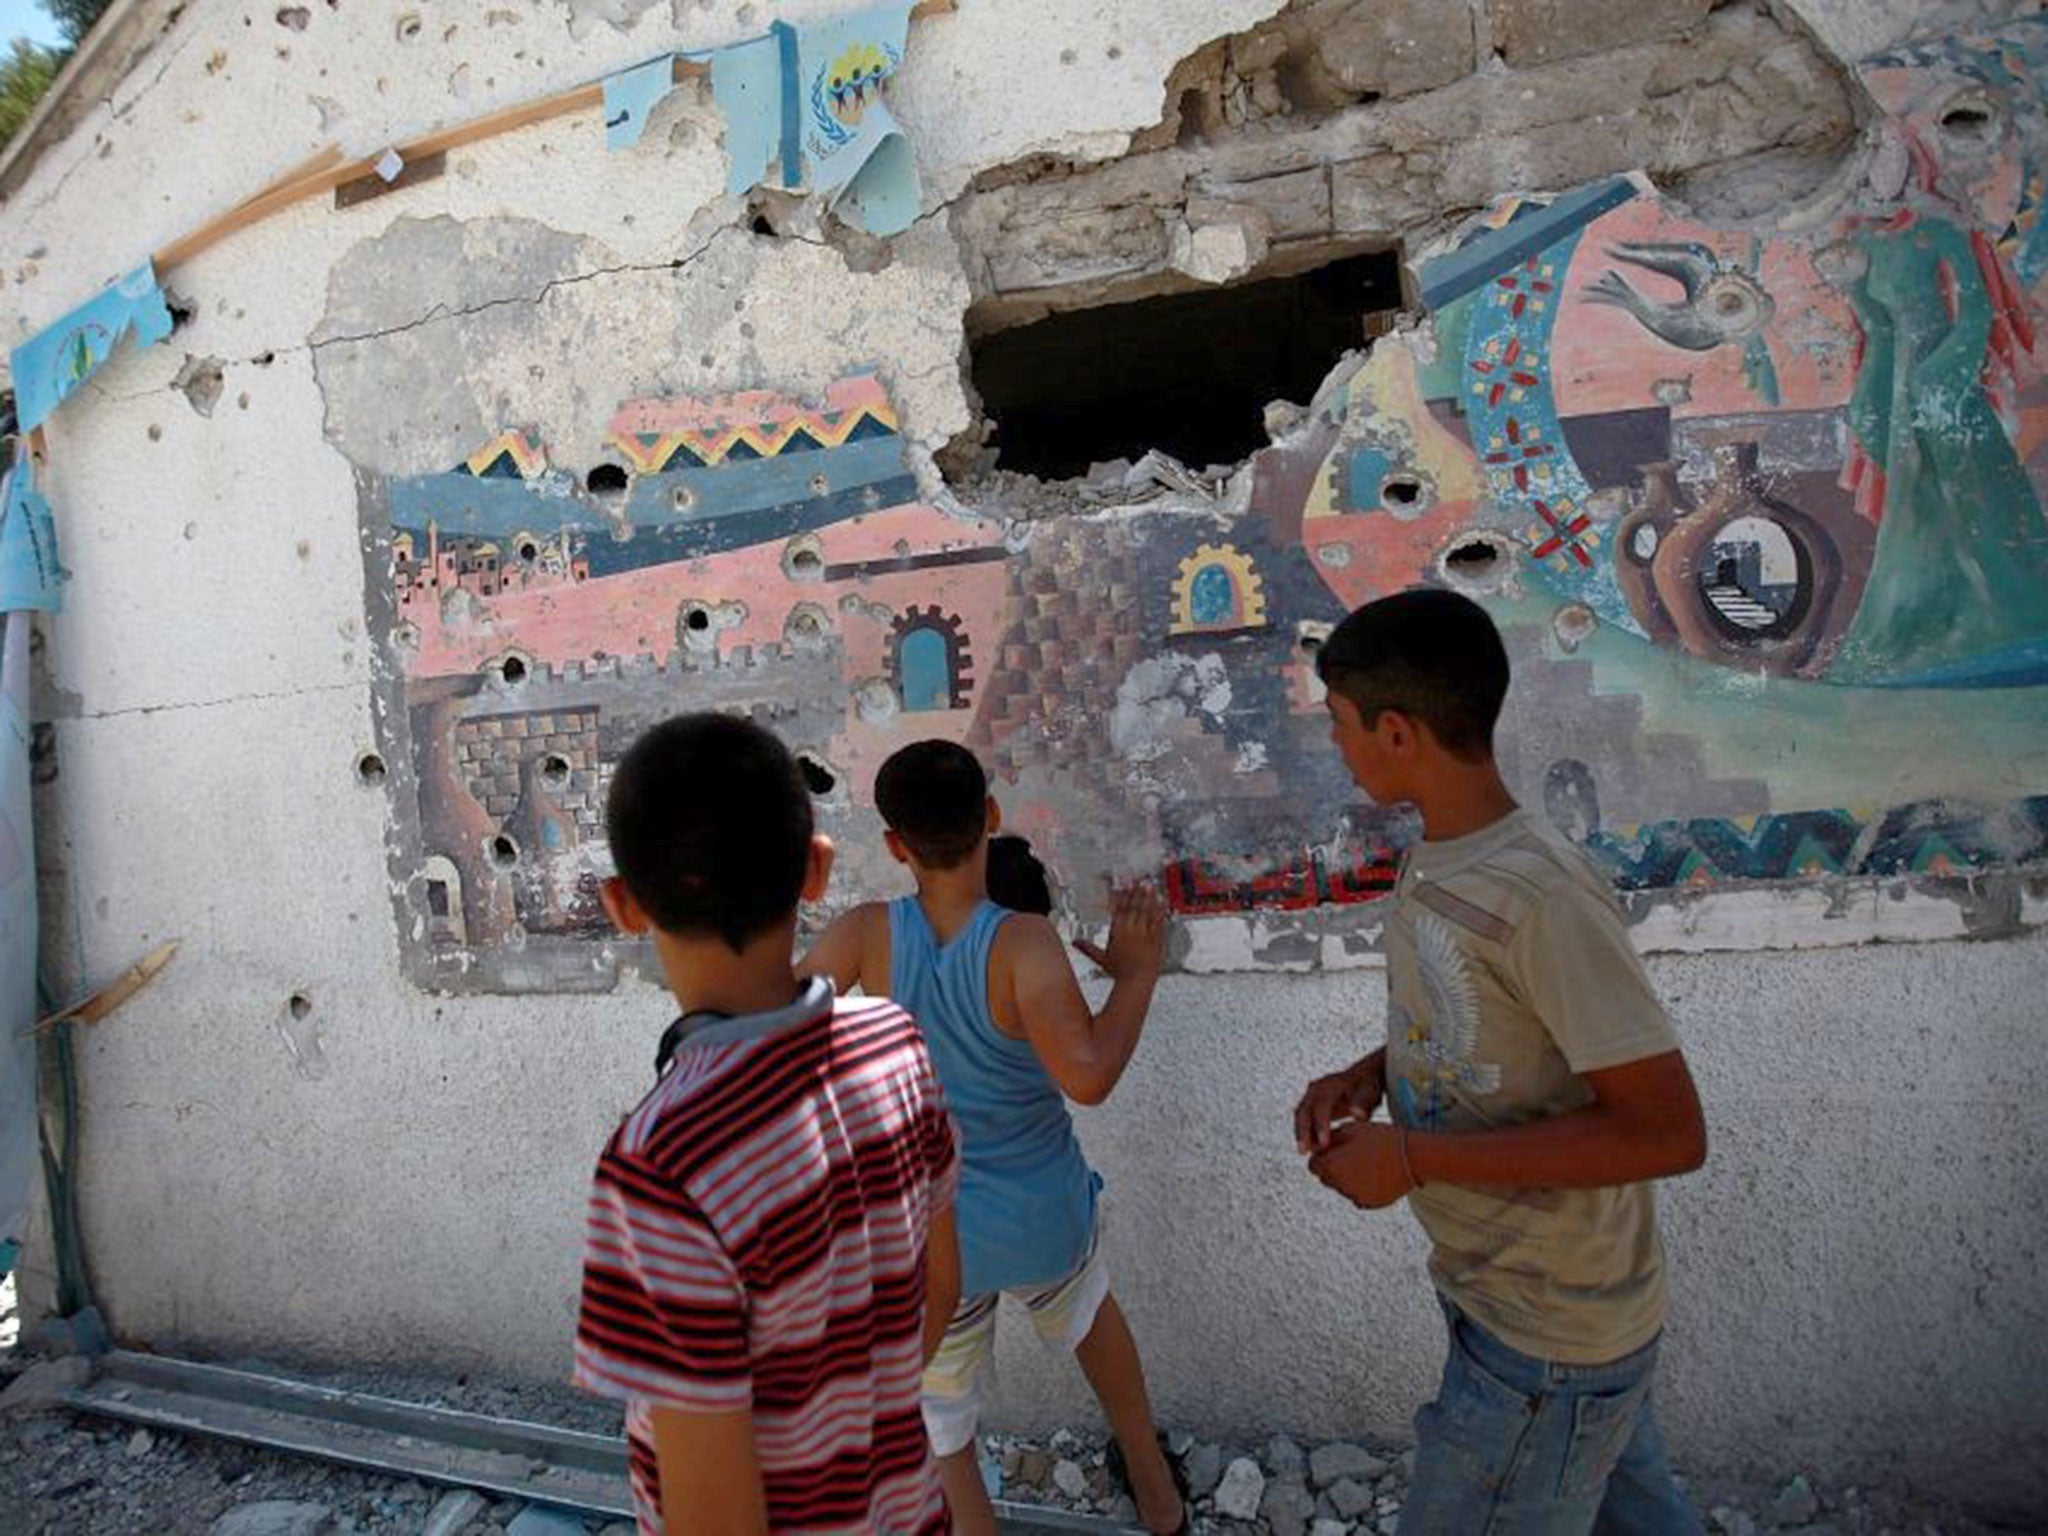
(400, 1177)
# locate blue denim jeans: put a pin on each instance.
(1516, 1446)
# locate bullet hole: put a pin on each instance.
(1478, 562)
(529, 551)
(1967, 120)
(819, 779)
(1069, 56)
(503, 852)
(761, 226)
(512, 670)
(183, 310)
(304, 549)
(294, 17)
(698, 619)
(682, 498)
(605, 480)
(298, 1005)
(1311, 635)
(1115, 52)
(191, 530)
(1573, 625)
(408, 26)
(242, 400)
(201, 381)
(156, 433)
(820, 486)
(369, 770)
(1401, 491)
(554, 771)
(1474, 558)
(803, 560)
(264, 359)
(1336, 556)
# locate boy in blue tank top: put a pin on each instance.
(1013, 1039)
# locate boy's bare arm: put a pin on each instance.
(941, 1279)
(1086, 1052)
(840, 948)
(710, 1473)
(1644, 1124)
(1352, 1094)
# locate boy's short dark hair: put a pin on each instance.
(710, 827)
(934, 795)
(1016, 879)
(1426, 653)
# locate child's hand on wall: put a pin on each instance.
(1136, 946)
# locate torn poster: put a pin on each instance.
(50, 365)
(746, 84)
(30, 576)
(630, 98)
(860, 156)
(811, 98)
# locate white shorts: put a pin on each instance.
(955, 1382)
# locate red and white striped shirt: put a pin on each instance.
(757, 1241)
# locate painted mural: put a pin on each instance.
(1760, 513)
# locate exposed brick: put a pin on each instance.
(1530, 32)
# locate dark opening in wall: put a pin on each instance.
(1190, 374)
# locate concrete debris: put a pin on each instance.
(1287, 1506)
(275, 1517)
(1340, 1459)
(44, 1384)
(1243, 1487)
(536, 1521)
(1795, 1504)
(1203, 1468)
(1350, 1498)
(454, 1513)
(1283, 1458)
(140, 1444)
(1068, 1477)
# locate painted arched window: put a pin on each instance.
(1212, 597)
(926, 684)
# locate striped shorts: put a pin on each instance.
(964, 1367)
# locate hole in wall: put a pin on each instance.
(298, 1005)
(1402, 490)
(1478, 563)
(1970, 118)
(698, 619)
(513, 670)
(370, 770)
(682, 498)
(1087, 386)
(409, 26)
(529, 550)
(502, 851)
(605, 480)
(554, 771)
(819, 778)
(803, 558)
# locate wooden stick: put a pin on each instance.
(325, 171)
(92, 1009)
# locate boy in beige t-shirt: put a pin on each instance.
(1535, 1087)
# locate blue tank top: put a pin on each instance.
(1026, 1208)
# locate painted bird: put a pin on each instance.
(1721, 306)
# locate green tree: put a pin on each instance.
(25, 73)
(74, 18)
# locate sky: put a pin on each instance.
(25, 18)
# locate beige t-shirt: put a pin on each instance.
(1510, 974)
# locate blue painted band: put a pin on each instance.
(792, 106)
(1452, 276)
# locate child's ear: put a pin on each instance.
(818, 872)
(894, 844)
(994, 823)
(621, 908)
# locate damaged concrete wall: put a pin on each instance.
(436, 497)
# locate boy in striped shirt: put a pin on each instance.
(771, 1257)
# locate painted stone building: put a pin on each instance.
(1141, 342)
